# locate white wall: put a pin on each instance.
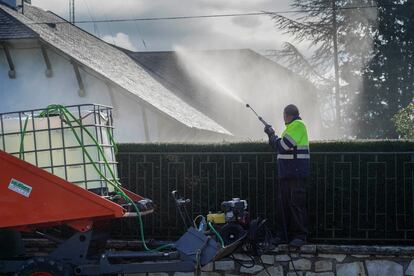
(31, 89)
(129, 120)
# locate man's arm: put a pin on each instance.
(280, 144)
(273, 138)
(287, 143)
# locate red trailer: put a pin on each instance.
(33, 200)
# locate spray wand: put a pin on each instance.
(258, 116)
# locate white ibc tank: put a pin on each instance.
(50, 143)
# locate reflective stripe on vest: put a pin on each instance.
(283, 144)
(290, 139)
(292, 156)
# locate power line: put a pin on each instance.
(95, 26)
(217, 15)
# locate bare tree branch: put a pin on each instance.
(298, 63)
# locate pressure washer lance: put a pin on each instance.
(257, 115)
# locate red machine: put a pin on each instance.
(33, 200)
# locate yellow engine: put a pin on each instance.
(217, 218)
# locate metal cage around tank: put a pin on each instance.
(48, 141)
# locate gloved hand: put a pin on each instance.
(269, 130)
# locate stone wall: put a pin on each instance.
(309, 260)
(323, 260)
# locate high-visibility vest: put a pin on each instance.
(292, 148)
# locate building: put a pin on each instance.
(46, 60)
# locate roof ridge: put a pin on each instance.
(79, 28)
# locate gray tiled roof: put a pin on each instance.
(10, 28)
(114, 65)
(168, 69)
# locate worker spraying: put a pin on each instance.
(293, 158)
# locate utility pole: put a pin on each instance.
(72, 11)
(336, 65)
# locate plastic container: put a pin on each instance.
(50, 143)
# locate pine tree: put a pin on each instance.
(341, 34)
(389, 77)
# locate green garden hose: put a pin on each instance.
(217, 233)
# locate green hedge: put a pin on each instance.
(316, 146)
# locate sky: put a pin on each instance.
(254, 32)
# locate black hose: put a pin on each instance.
(264, 266)
(253, 261)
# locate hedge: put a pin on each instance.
(261, 146)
